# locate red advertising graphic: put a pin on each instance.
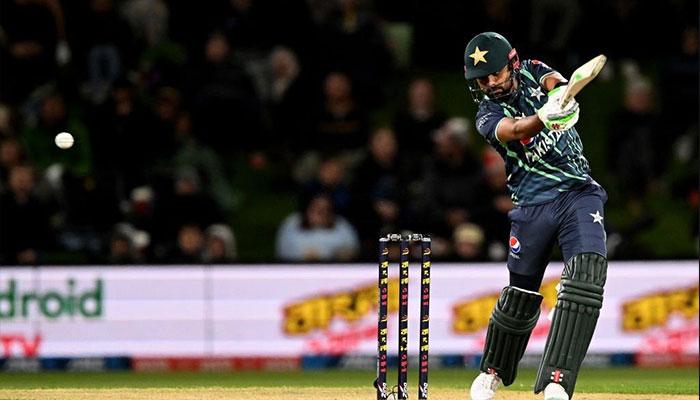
(17, 344)
(339, 343)
(668, 321)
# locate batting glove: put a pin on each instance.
(553, 117)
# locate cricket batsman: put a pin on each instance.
(555, 199)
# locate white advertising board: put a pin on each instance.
(285, 310)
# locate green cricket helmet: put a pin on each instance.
(488, 53)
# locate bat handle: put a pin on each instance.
(565, 99)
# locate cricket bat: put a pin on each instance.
(581, 77)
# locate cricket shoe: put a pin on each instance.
(484, 386)
(555, 391)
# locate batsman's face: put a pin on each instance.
(497, 83)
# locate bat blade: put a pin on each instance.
(581, 77)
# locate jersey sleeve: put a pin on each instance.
(487, 119)
(538, 69)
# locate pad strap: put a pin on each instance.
(579, 301)
(513, 319)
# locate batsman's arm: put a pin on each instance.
(518, 128)
(524, 128)
(551, 81)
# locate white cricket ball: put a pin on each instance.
(64, 140)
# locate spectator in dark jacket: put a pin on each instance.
(25, 232)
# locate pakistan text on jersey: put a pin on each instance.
(545, 142)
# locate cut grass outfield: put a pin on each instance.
(624, 383)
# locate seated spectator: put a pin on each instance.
(188, 203)
(121, 250)
(105, 45)
(189, 247)
(226, 103)
(127, 245)
(207, 162)
(288, 101)
(8, 120)
(148, 20)
(352, 38)
(378, 191)
(680, 104)
(28, 56)
(25, 229)
(115, 125)
(416, 123)
(330, 180)
(341, 125)
(449, 189)
(220, 245)
(11, 155)
(86, 202)
(161, 139)
(635, 150)
(497, 203)
(38, 140)
(316, 233)
(468, 243)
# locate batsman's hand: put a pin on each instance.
(552, 115)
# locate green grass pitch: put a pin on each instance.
(601, 380)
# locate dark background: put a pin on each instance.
(201, 126)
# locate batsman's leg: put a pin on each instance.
(513, 319)
(579, 301)
(582, 240)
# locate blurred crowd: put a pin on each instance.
(161, 95)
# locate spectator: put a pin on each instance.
(11, 155)
(288, 102)
(220, 245)
(468, 243)
(86, 203)
(681, 101)
(415, 124)
(683, 173)
(148, 20)
(25, 229)
(28, 50)
(497, 203)
(38, 140)
(352, 40)
(635, 143)
(378, 191)
(187, 203)
(190, 245)
(139, 209)
(225, 100)
(122, 247)
(316, 233)
(105, 44)
(449, 189)
(161, 140)
(553, 24)
(330, 180)
(116, 125)
(192, 153)
(7, 120)
(341, 124)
